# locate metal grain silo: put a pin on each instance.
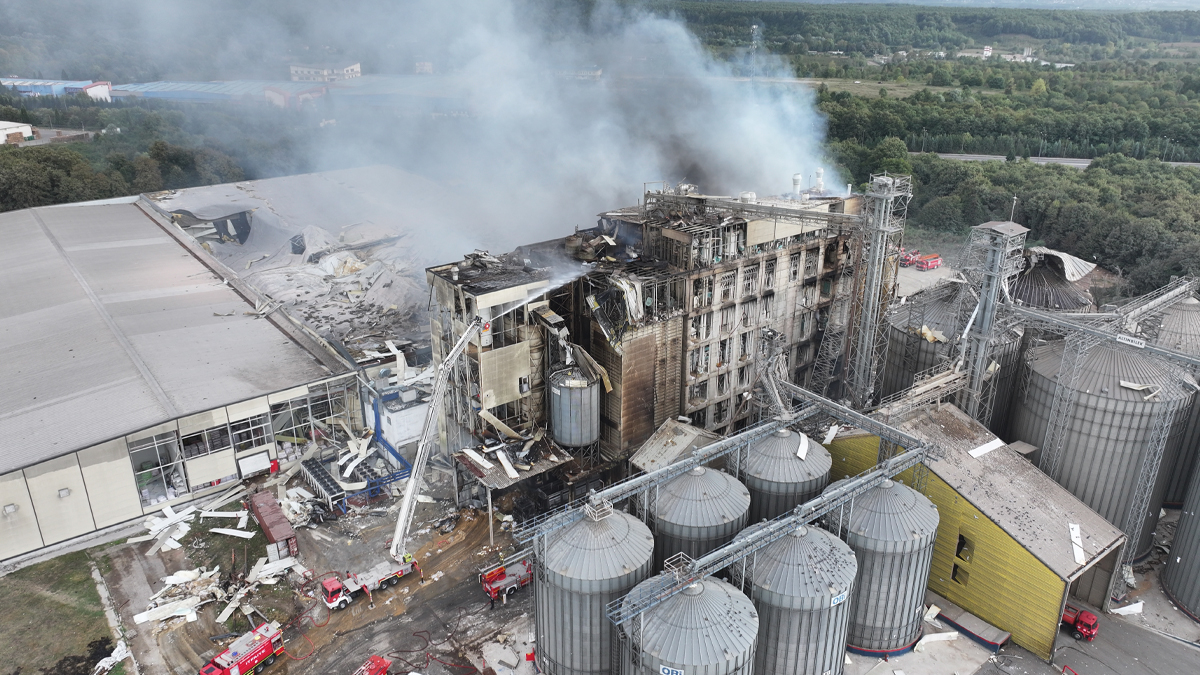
(1180, 331)
(922, 333)
(708, 628)
(1181, 573)
(777, 478)
(1108, 427)
(574, 408)
(697, 512)
(801, 585)
(891, 530)
(591, 563)
(1048, 281)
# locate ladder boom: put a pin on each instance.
(413, 486)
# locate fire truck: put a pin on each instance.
(250, 653)
(909, 258)
(376, 665)
(337, 593)
(1082, 622)
(929, 262)
(506, 579)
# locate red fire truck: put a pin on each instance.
(250, 653)
(1082, 622)
(909, 258)
(506, 579)
(376, 665)
(337, 593)
(929, 262)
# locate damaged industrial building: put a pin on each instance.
(722, 441)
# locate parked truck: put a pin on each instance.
(376, 665)
(337, 593)
(250, 653)
(909, 258)
(929, 262)
(1082, 622)
(507, 578)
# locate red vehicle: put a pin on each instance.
(250, 653)
(909, 258)
(337, 593)
(929, 262)
(376, 665)
(1082, 622)
(506, 579)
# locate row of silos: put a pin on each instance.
(1180, 330)
(810, 590)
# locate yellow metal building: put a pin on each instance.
(1004, 551)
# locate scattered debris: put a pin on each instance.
(1135, 608)
(119, 654)
(934, 637)
(233, 533)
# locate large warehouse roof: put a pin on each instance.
(109, 325)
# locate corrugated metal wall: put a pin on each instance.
(1007, 586)
(646, 384)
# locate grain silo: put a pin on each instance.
(1117, 394)
(708, 628)
(1181, 573)
(801, 585)
(574, 408)
(1048, 281)
(923, 332)
(776, 475)
(891, 529)
(697, 512)
(1180, 331)
(591, 563)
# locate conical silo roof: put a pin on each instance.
(710, 625)
(1106, 366)
(774, 458)
(600, 551)
(702, 497)
(893, 513)
(938, 310)
(806, 569)
(1180, 328)
(1041, 286)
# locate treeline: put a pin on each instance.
(791, 28)
(1137, 218)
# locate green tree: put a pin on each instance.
(1038, 88)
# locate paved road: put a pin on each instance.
(1120, 649)
(1068, 161)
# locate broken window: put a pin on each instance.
(728, 318)
(698, 360)
(698, 393)
(722, 384)
(743, 375)
(811, 256)
(749, 313)
(720, 412)
(747, 345)
(158, 468)
(724, 352)
(702, 326)
(294, 420)
(769, 274)
(794, 266)
(964, 549)
(206, 442)
(826, 288)
(750, 279)
(700, 418)
(767, 303)
(702, 292)
(960, 575)
(728, 281)
(251, 432)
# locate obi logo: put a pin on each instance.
(838, 599)
(667, 670)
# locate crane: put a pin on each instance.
(424, 446)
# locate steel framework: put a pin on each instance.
(875, 283)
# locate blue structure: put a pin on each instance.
(35, 87)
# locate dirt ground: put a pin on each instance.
(438, 625)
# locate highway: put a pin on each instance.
(1068, 161)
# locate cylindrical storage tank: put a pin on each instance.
(574, 408)
(1180, 331)
(1181, 574)
(920, 335)
(708, 628)
(590, 564)
(778, 480)
(1108, 428)
(891, 530)
(801, 585)
(697, 512)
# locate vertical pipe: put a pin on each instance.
(491, 521)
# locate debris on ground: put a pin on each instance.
(119, 654)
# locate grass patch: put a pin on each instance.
(51, 610)
(234, 554)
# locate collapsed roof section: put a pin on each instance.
(1051, 280)
(336, 248)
